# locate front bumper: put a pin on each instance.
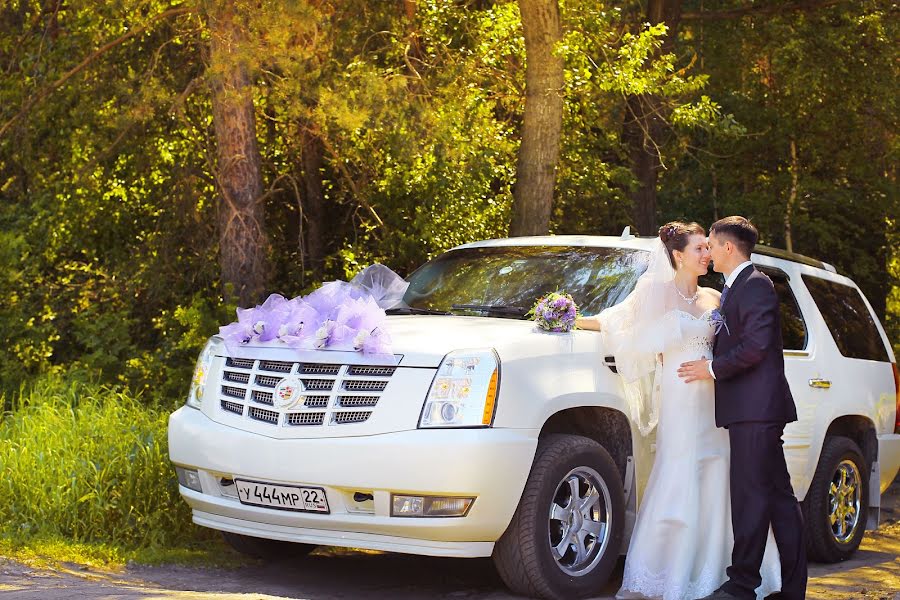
(488, 464)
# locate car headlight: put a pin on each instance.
(201, 371)
(464, 390)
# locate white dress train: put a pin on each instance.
(682, 540)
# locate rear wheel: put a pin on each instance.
(565, 536)
(836, 506)
(264, 548)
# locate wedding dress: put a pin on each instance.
(682, 540)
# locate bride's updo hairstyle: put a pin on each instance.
(675, 236)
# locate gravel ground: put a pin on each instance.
(873, 573)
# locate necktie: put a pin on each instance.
(724, 295)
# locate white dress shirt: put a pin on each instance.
(729, 281)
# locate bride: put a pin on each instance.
(682, 539)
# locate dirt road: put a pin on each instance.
(874, 573)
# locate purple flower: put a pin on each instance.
(555, 312)
(241, 331)
(271, 315)
(718, 320)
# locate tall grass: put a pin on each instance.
(90, 464)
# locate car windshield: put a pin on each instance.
(505, 281)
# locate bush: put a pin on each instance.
(89, 463)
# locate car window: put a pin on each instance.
(516, 276)
(849, 320)
(712, 280)
(793, 328)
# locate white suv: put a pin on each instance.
(485, 437)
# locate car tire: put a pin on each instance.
(546, 517)
(836, 506)
(255, 547)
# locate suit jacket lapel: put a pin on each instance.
(741, 278)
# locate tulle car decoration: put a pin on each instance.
(339, 315)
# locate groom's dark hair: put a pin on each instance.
(739, 231)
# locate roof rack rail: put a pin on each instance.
(794, 257)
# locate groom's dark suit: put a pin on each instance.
(754, 402)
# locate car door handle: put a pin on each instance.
(610, 361)
(820, 383)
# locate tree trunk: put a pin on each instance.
(542, 125)
(644, 127)
(242, 234)
(792, 199)
(314, 200)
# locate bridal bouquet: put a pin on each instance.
(339, 315)
(555, 312)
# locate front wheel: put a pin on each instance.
(836, 505)
(565, 536)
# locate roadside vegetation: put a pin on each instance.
(86, 478)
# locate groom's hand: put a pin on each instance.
(694, 370)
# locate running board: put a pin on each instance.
(874, 513)
(630, 504)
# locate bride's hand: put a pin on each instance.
(591, 323)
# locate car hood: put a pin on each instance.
(424, 340)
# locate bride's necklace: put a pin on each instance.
(689, 300)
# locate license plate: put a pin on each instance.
(283, 497)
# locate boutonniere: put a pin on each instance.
(718, 320)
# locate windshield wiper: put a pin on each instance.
(495, 308)
(411, 310)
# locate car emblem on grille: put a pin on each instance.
(287, 392)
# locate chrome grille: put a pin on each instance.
(240, 363)
(334, 394)
(350, 416)
(262, 397)
(351, 401)
(371, 371)
(236, 377)
(261, 414)
(354, 385)
(319, 385)
(316, 369)
(316, 401)
(268, 380)
(275, 365)
(233, 407)
(305, 418)
(233, 392)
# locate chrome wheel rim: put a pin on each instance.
(844, 501)
(580, 521)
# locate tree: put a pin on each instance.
(242, 232)
(646, 124)
(542, 123)
(816, 169)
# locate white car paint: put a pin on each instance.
(540, 374)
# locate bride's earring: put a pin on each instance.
(681, 264)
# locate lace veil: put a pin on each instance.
(637, 331)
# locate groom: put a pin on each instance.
(754, 402)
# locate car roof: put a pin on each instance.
(626, 240)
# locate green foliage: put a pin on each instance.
(88, 463)
(108, 219)
(819, 79)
